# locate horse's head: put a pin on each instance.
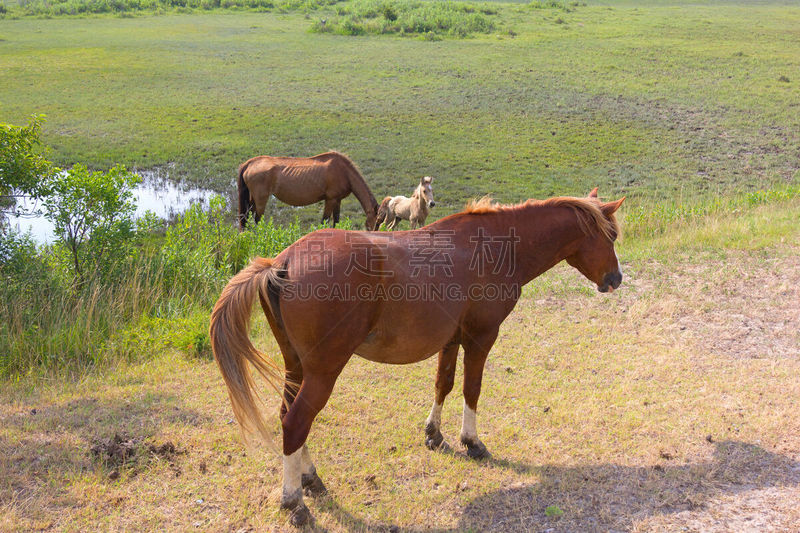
(372, 219)
(595, 257)
(425, 191)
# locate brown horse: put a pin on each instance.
(302, 181)
(397, 298)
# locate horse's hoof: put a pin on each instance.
(313, 485)
(476, 450)
(433, 437)
(300, 516)
(433, 443)
(442, 445)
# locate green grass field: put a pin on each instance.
(667, 406)
(645, 101)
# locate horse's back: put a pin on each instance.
(376, 281)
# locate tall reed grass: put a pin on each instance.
(160, 295)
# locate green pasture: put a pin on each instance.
(653, 100)
(669, 405)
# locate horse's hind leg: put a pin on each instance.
(311, 398)
(310, 481)
(476, 348)
(391, 220)
(445, 376)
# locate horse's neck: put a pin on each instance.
(360, 189)
(547, 236)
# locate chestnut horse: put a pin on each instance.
(414, 209)
(396, 298)
(302, 181)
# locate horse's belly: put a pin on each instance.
(298, 197)
(401, 346)
(394, 353)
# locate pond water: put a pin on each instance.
(155, 193)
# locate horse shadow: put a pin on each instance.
(608, 497)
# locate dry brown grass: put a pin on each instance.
(668, 406)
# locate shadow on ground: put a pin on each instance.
(610, 497)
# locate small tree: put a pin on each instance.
(93, 215)
(23, 169)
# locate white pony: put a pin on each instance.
(414, 209)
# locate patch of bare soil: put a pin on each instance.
(123, 450)
(116, 450)
(747, 307)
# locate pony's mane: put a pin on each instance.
(587, 210)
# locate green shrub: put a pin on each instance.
(430, 20)
(79, 7)
(555, 4)
(93, 217)
(23, 167)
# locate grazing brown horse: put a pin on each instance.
(414, 209)
(396, 298)
(302, 181)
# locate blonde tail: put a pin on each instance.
(230, 340)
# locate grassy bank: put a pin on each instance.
(158, 294)
(652, 101)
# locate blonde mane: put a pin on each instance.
(588, 211)
(484, 205)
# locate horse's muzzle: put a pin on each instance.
(611, 281)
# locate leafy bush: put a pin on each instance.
(93, 216)
(159, 297)
(555, 4)
(23, 167)
(409, 17)
(79, 7)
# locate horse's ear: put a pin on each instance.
(611, 207)
(593, 194)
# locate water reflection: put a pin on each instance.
(155, 193)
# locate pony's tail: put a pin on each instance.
(382, 210)
(245, 203)
(230, 341)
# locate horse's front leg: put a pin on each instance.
(336, 212)
(328, 211)
(476, 348)
(445, 376)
